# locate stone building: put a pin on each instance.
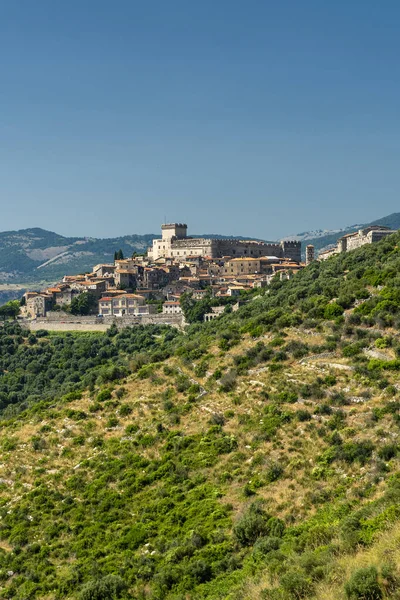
(125, 304)
(175, 243)
(351, 241)
(171, 307)
(369, 235)
(38, 305)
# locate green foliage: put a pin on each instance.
(84, 304)
(10, 310)
(109, 587)
(364, 585)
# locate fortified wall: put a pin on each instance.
(175, 244)
(351, 241)
(362, 237)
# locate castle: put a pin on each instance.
(175, 244)
(351, 241)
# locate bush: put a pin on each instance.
(252, 525)
(297, 585)
(364, 585)
(105, 588)
(104, 395)
(264, 545)
(388, 451)
(228, 381)
(333, 310)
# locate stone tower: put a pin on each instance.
(176, 231)
(310, 254)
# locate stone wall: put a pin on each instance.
(57, 322)
(216, 248)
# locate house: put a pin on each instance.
(200, 294)
(124, 278)
(39, 304)
(103, 270)
(171, 307)
(236, 290)
(124, 304)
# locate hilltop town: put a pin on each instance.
(149, 288)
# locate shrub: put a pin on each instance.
(252, 525)
(364, 585)
(264, 545)
(303, 415)
(274, 472)
(388, 451)
(297, 585)
(228, 381)
(104, 395)
(105, 588)
(200, 571)
(333, 310)
(125, 410)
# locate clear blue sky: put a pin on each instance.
(260, 118)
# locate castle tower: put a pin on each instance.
(291, 250)
(174, 230)
(310, 254)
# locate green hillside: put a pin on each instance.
(252, 457)
(30, 255)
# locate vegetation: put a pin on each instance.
(252, 457)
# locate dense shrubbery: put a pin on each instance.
(151, 508)
(33, 366)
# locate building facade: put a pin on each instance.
(352, 241)
(125, 304)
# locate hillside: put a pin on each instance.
(252, 457)
(33, 254)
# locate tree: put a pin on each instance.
(10, 309)
(84, 304)
(193, 310)
(118, 255)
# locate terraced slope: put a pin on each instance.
(256, 456)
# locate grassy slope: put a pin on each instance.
(151, 483)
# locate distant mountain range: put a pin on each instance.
(33, 255)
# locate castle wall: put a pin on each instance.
(366, 237)
(176, 245)
(216, 248)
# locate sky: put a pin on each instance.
(251, 117)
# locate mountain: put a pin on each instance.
(323, 238)
(33, 254)
(253, 457)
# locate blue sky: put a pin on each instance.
(239, 117)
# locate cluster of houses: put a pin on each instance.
(138, 285)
